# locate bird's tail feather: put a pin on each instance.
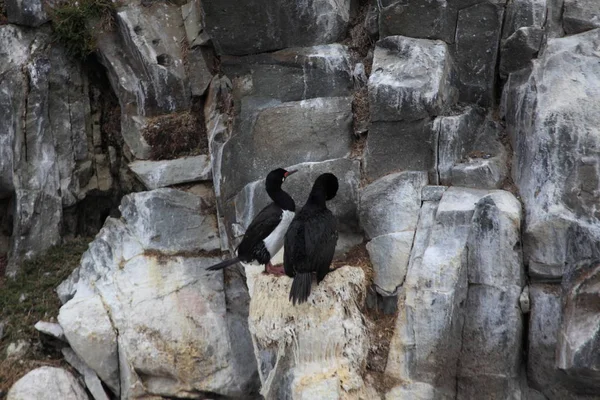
(223, 264)
(300, 288)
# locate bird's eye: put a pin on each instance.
(283, 179)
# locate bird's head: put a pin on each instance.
(328, 183)
(276, 178)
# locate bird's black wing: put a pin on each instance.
(293, 246)
(261, 226)
(320, 239)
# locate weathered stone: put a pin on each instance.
(145, 66)
(478, 33)
(308, 72)
(520, 48)
(50, 329)
(524, 13)
(199, 71)
(290, 133)
(579, 332)
(424, 19)
(47, 383)
(173, 333)
(157, 174)
(92, 382)
(389, 255)
(194, 24)
(399, 146)
(412, 79)
(490, 358)
(580, 16)
(170, 221)
(391, 204)
(89, 331)
(552, 126)
(544, 325)
(525, 301)
(26, 12)
(433, 192)
(428, 337)
(316, 347)
(262, 25)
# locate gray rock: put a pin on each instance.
(200, 73)
(433, 192)
(144, 61)
(544, 326)
(579, 330)
(92, 382)
(262, 25)
(490, 358)
(308, 72)
(520, 48)
(290, 133)
(419, 18)
(47, 383)
(478, 32)
(455, 301)
(50, 329)
(525, 301)
(391, 204)
(580, 16)
(170, 221)
(524, 13)
(194, 24)
(411, 79)
(89, 330)
(399, 146)
(26, 12)
(149, 272)
(559, 188)
(158, 174)
(389, 255)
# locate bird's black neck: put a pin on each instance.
(282, 199)
(317, 198)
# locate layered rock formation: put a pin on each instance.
(472, 179)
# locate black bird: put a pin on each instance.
(311, 239)
(264, 237)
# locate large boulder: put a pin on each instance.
(47, 383)
(580, 16)
(157, 174)
(452, 288)
(313, 350)
(402, 99)
(45, 162)
(579, 332)
(552, 126)
(146, 275)
(26, 12)
(478, 31)
(263, 25)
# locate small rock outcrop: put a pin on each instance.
(47, 383)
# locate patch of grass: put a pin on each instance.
(177, 134)
(30, 297)
(72, 21)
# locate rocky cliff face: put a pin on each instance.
(465, 136)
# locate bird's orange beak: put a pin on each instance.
(288, 173)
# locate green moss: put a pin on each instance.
(73, 20)
(30, 296)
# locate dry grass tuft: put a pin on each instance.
(177, 134)
(357, 256)
(30, 297)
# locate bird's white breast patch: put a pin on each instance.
(274, 242)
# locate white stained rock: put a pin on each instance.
(157, 317)
(47, 383)
(411, 79)
(92, 382)
(157, 174)
(50, 329)
(317, 348)
(17, 349)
